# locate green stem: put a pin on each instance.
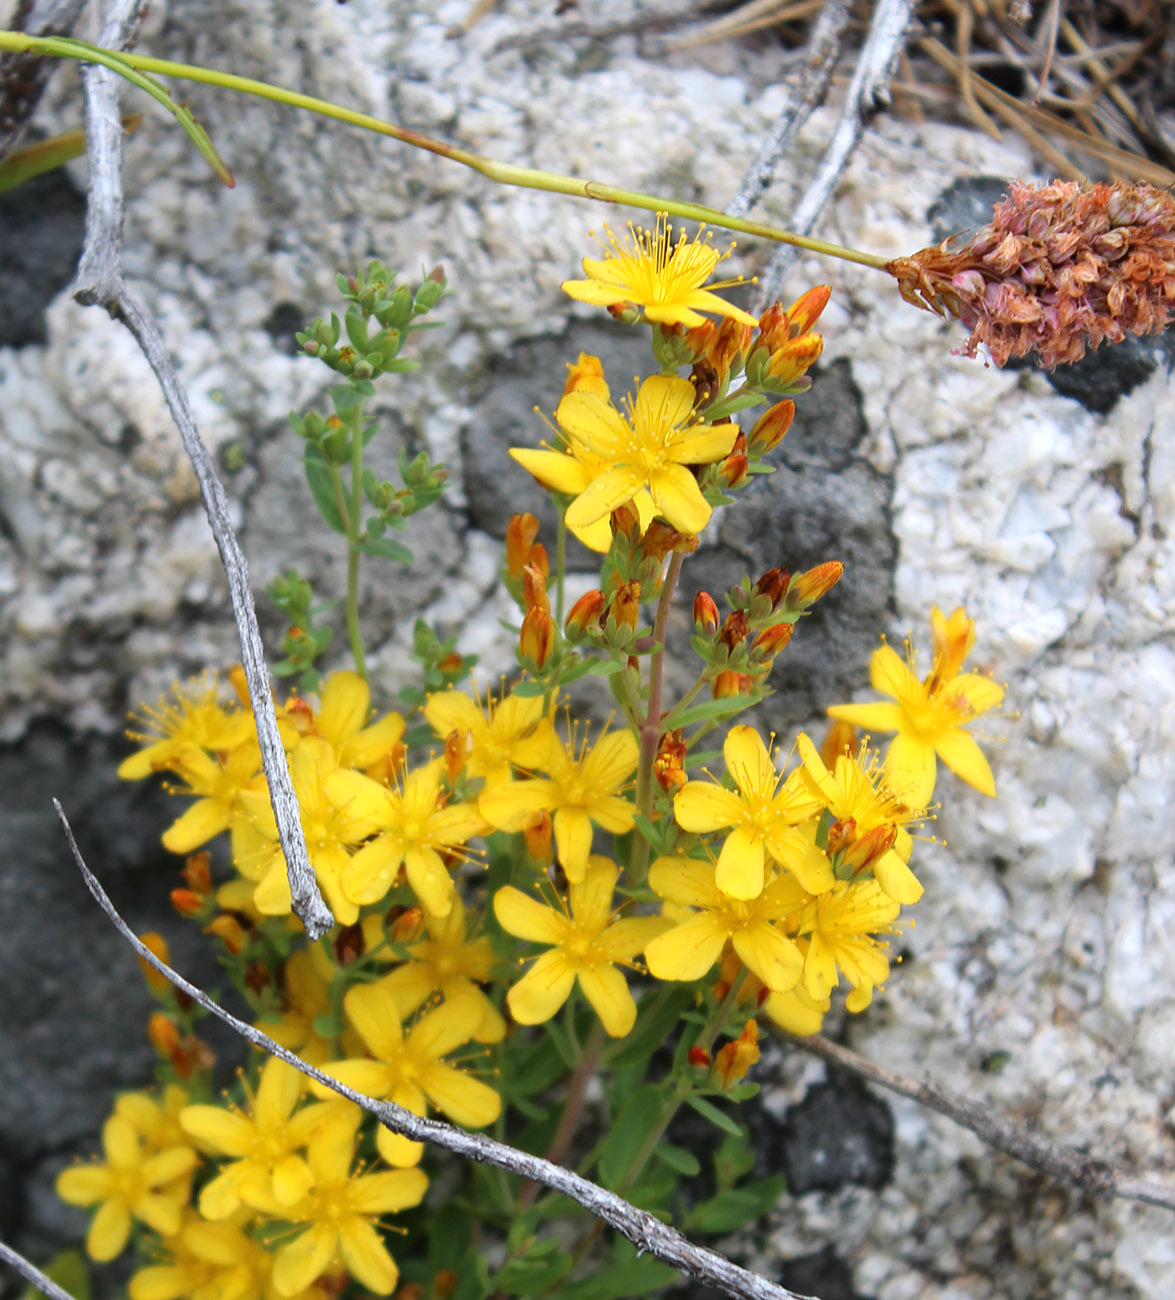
(560, 566)
(354, 632)
(650, 735)
(686, 700)
(505, 173)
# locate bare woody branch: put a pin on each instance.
(1061, 1162)
(23, 77)
(31, 1273)
(100, 281)
(646, 1232)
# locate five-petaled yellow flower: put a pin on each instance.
(647, 451)
(929, 716)
(665, 279)
(840, 926)
(577, 791)
(498, 732)
(694, 944)
(763, 815)
(586, 944)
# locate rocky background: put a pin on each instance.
(1044, 503)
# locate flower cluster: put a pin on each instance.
(523, 899)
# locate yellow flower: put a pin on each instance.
(129, 1183)
(861, 804)
(840, 927)
(648, 451)
(341, 1210)
(499, 734)
(448, 963)
(929, 716)
(263, 1145)
(695, 943)
(331, 832)
(193, 716)
(763, 815)
(577, 790)
(306, 979)
(219, 785)
(797, 1011)
(343, 712)
(648, 270)
(408, 1069)
(586, 944)
(414, 828)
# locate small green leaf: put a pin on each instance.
(539, 1269)
(678, 1159)
(639, 1115)
(605, 667)
(737, 1207)
(718, 1118)
(69, 1271)
(473, 1277)
(386, 547)
(356, 331)
(630, 1275)
(528, 690)
(322, 488)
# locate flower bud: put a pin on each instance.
(669, 765)
(163, 1034)
(771, 641)
(626, 522)
(840, 738)
(731, 344)
(705, 614)
(158, 945)
(197, 873)
(841, 834)
(586, 375)
(868, 848)
(444, 1284)
(348, 944)
(626, 605)
(807, 588)
(536, 642)
(771, 426)
(520, 534)
(698, 1056)
(734, 629)
(788, 364)
(257, 977)
(534, 589)
(732, 472)
(954, 639)
(230, 932)
(407, 925)
(187, 903)
(627, 313)
(661, 538)
(458, 747)
(773, 585)
(432, 290)
(584, 615)
(729, 683)
(806, 310)
(536, 835)
(735, 1058)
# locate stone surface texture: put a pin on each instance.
(1048, 927)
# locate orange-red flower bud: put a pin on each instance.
(699, 1056)
(733, 341)
(841, 834)
(806, 310)
(157, 944)
(536, 835)
(585, 614)
(771, 641)
(732, 472)
(773, 585)
(669, 765)
(163, 1034)
(258, 977)
(734, 629)
(520, 534)
(197, 873)
(536, 642)
(794, 358)
(728, 683)
(660, 538)
(807, 588)
(458, 747)
(871, 846)
(700, 339)
(771, 427)
(348, 944)
(407, 926)
(187, 903)
(229, 931)
(626, 522)
(735, 1058)
(534, 589)
(626, 604)
(705, 614)
(840, 738)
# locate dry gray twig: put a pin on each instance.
(820, 56)
(646, 1232)
(868, 91)
(24, 76)
(31, 1273)
(100, 281)
(1060, 1162)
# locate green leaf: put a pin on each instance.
(678, 1159)
(386, 547)
(718, 1118)
(322, 488)
(605, 667)
(628, 1275)
(736, 1207)
(69, 1271)
(345, 397)
(732, 1160)
(539, 1269)
(473, 1277)
(528, 690)
(356, 331)
(639, 1115)
(708, 710)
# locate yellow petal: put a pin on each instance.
(292, 1179)
(796, 1012)
(689, 950)
(450, 1026)
(366, 1257)
(963, 756)
(344, 703)
(820, 975)
(591, 899)
(368, 1077)
(388, 1193)
(596, 537)
(770, 955)
(599, 295)
(623, 939)
(701, 806)
(664, 401)
(160, 1282)
(203, 821)
(542, 990)
(606, 493)
(277, 1093)
(85, 1184)
(611, 761)
(448, 711)
(872, 718)
(372, 1009)
(684, 881)
(109, 1230)
(526, 918)
(573, 840)
(218, 1129)
(898, 881)
(222, 1196)
(607, 990)
(704, 444)
(430, 881)
(740, 869)
(555, 470)
(910, 769)
(594, 423)
(298, 1265)
(508, 807)
(464, 1099)
(373, 870)
(748, 762)
(160, 1213)
(678, 498)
